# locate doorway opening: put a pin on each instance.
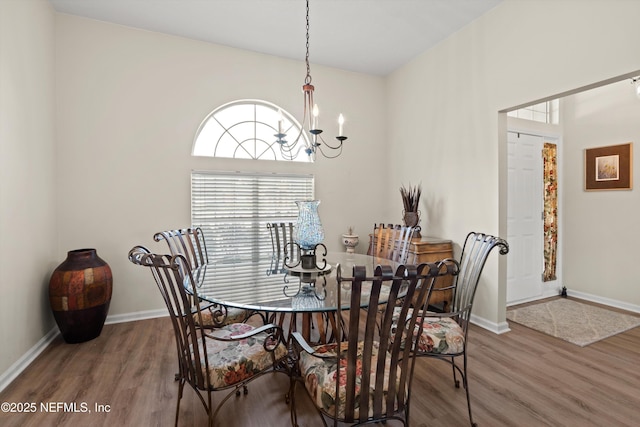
(589, 121)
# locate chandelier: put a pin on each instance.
(313, 142)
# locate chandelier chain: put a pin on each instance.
(307, 79)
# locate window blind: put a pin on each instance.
(233, 209)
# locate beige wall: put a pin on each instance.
(601, 234)
(28, 232)
(444, 118)
(129, 104)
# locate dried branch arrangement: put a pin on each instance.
(411, 197)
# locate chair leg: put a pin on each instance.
(180, 390)
(290, 398)
(456, 381)
(245, 390)
(465, 383)
(210, 411)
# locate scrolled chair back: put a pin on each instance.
(188, 242)
(392, 242)
(475, 252)
(191, 245)
(283, 244)
(367, 377)
(170, 273)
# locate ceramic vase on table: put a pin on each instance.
(350, 241)
(79, 293)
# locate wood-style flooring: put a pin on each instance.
(521, 378)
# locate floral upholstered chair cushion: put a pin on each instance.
(231, 362)
(440, 335)
(320, 374)
(233, 315)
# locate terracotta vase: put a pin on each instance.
(79, 293)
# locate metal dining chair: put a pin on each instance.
(392, 242)
(286, 252)
(444, 336)
(365, 376)
(191, 244)
(282, 242)
(209, 360)
(284, 249)
(188, 242)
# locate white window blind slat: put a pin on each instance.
(233, 209)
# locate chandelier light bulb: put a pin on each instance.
(340, 124)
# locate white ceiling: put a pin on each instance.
(368, 36)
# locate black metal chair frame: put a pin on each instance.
(475, 251)
(396, 343)
(188, 242)
(169, 273)
(282, 242)
(392, 241)
(191, 244)
(286, 253)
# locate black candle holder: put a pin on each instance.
(312, 148)
(309, 269)
(308, 287)
(308, 259)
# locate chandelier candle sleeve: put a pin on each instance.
(316, 112)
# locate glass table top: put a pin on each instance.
(264, 283)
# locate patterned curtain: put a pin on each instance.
(550, 211)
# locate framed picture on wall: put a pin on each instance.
(609, 168)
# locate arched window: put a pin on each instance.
(246, 130)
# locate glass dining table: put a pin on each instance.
(300, 299)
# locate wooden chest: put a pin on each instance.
(432, 249)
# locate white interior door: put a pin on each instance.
(525, 262)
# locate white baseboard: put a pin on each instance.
(604, 301)
(496, 328)
(139, 315)
(21, 364)
(548, 293)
